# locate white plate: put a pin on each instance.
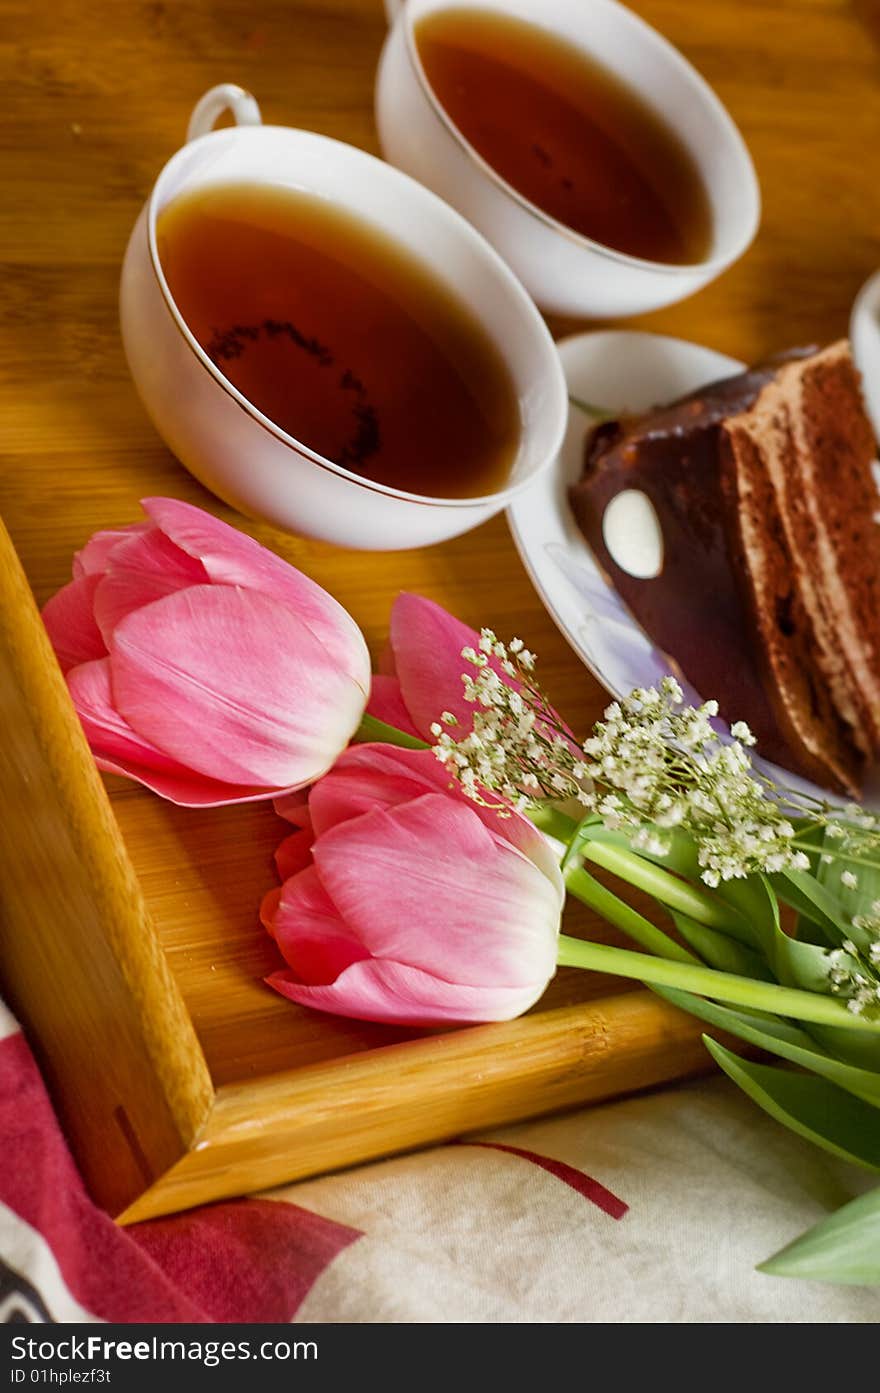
(616, 370)
(864, 333)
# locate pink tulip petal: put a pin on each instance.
(109, 733)
(427, 645)
(294, 807)
(315, 942)
(294, 854)
(386, 704)
(513, 830)
(374, 990)
(93, 557)
(120, 750)
(230, 683)
(370, 776)
(232, 558)
(186, 789)
(427, 884)
(142, 568)
(70, 623)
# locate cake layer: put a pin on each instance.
(769, 595)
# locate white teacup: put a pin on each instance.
(241, 454)
(566, 272)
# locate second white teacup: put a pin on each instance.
(566, 272)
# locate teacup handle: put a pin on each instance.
(226, 97)
(392, 10)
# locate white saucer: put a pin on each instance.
(617, 370)
(864, 333)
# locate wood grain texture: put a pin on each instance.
(96, 98)
(82, 964)
(336, 1114)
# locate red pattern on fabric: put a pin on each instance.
(103, 1268)
(584, 1184)
(248, 1260)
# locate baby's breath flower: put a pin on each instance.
(650, 766)
(517, 751)
(741, 732)
(852, 975)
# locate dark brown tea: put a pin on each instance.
(567, 134)
(342, 338)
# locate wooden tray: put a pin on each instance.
(131, 951)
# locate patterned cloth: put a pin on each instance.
(652, 1209)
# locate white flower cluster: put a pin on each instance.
(666, 767)
(517, 748)
(651, 765)
(853, 970)
(869, 924)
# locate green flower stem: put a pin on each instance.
(371, 729)
(705, 981)
(587, 889)
(663, 885)
(552, 822)
(837, 855)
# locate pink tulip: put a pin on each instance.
(406, 903)
(421, 672)
(203, 665)
(422, 668)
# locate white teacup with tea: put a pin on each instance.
(327, 345)
(584, 146)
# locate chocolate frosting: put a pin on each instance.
(696, 610)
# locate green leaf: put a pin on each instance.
(372, 729)
(845, 1247)
(591, 892)
(851, 902)
(782, 1038)
(576, 841)
(829, 907)
(653, 875)
(811, 1106)
(721, 950)
(812, 900)
(755, 904)
(862, 1051)
(792, 963)
(681, 856)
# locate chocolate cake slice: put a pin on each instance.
(769, 593)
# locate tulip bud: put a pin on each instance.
(421, 669)
(404, 902)
(203, 665)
